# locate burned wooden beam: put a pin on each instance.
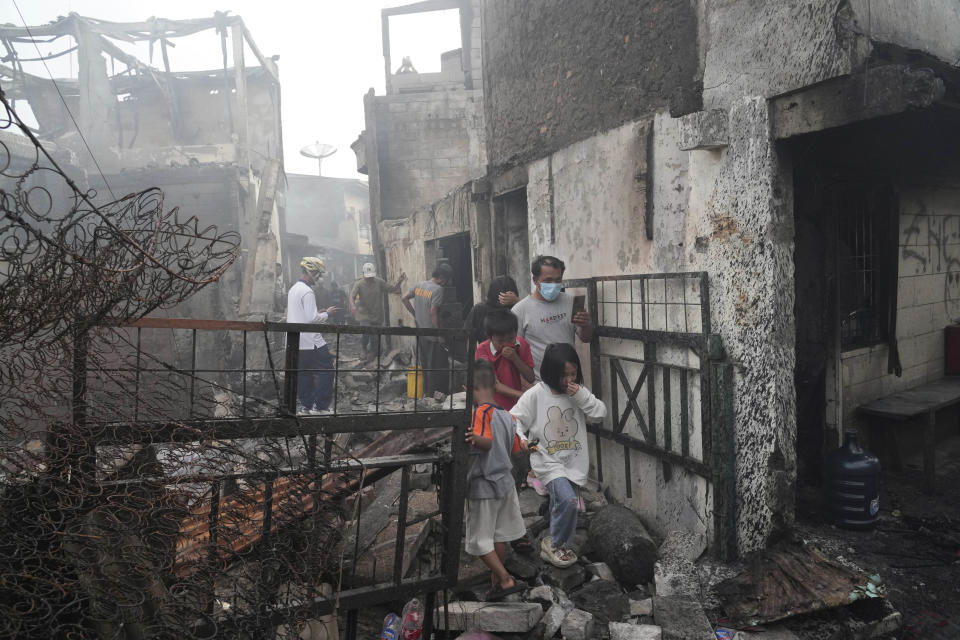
(791, 580)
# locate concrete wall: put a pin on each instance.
(726, 212)
(557, 72)
(403, 242)
(928, 299)
(756, 47)
(429, 144)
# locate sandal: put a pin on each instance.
(498, 592)
(560, 558)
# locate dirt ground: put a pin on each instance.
(915, 547)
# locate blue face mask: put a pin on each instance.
(550, 290)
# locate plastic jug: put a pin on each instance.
(852, 488)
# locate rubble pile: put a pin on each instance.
(627, 585)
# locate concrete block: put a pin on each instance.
(577, 626)
(554, 617)
(542, 595)
(641, 607)
(496, 617)
(703, 130)
(681, 619)
(676, 577)
(626, 631)
(567, 579)
(521, 567)
(601, 570)
(683, 544)
(604, 600)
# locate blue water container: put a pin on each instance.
(852, 485)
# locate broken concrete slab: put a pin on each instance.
(626, 631)
(703, 130)
(578, 625)
(521, 567)
(681, 619)
(620, 540)
(689, 545)
(496, 617)
(554, 617)
(542, 595)
(567, 579)
(605, 600)
(676, 576)
(641, 607)
(601, 570)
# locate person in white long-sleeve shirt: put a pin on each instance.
(555, 412)
(315, 367)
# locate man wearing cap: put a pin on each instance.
(366, 304)
(427, 296)
(315, 370)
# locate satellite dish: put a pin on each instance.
(318, 151)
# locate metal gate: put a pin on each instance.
(668, 388)
(184, 495)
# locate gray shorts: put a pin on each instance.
(490, 521)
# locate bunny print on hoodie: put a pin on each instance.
(559, 421)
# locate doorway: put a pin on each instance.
(510, 239)
(455, 251)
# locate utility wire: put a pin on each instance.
(63, 100)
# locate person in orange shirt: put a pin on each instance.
(493, 516)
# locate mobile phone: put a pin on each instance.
(579, 304)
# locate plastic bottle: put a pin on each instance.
(852, 489)
(412, 617)
(391, 627)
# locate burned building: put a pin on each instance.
(327, 217)
(211, 139)
(793, 159)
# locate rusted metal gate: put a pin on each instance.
(218, 538)
(668, 387)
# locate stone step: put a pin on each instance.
(495, 617)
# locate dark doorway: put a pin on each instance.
(510, 240)
(455, 251)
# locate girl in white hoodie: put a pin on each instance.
(555, 412)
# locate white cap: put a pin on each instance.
(369, 271)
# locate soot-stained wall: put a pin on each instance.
(559, 71)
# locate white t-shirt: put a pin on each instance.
(559, 421)
(543, 323)
(302, 307)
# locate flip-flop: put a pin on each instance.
(498, 592)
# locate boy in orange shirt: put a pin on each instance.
(493, 516)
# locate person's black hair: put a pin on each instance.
(497, 286)
(443, 271)
(500, 323)
(555, 356)
(546, 261)
(483, 375)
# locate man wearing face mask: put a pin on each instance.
(546, 315)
